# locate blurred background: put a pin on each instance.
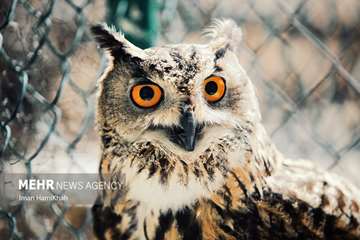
(302, 55)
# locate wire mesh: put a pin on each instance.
(302, 55)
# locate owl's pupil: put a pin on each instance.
(146, 93)
(211, 88)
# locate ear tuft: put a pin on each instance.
(115, 43)
(224, 31)
(107, 37)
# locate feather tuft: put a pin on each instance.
(224, 30)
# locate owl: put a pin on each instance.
(181, 131)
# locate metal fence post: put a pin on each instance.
(141, 18)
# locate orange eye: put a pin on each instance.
(146, 95)
(214, 89)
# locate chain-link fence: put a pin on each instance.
(302, 55)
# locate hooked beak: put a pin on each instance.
(188, 136)
(188, 132)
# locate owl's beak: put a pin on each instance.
(187, 132)
(187, 138)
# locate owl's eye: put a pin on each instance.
(214, 89)
(146, 95)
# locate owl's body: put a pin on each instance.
(181, 131)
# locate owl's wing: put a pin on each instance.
(323, 203)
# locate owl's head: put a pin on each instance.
(180, 97)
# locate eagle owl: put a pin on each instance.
(181, 131)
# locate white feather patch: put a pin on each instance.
(224, 31)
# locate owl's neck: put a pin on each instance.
(162, 180)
